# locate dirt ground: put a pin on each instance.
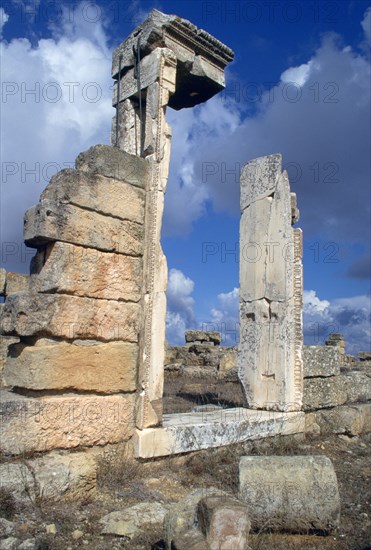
(123, 482)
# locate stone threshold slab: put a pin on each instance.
(182, 433)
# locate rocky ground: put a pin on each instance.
(157, 485)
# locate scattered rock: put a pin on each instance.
(364, 356)
(190, 540)
(6, 527)
(200, 336)
(28, 544)
(225, 523)
(182, 516)
(51, 529)
(9, 543)
(131, 521)
(77, 534)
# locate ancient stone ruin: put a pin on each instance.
(91, 315)
(84, 365)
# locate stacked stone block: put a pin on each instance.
(74, 370)
(335, 400)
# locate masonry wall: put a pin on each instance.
(72, 369)
(337, 388)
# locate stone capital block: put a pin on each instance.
(105, 195)
(76, 270)
(78, 366)
(52, 221)
(70, 317)
(63, 421)
(201, 58)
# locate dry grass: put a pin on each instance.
(116, 468)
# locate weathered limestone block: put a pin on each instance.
(128, 135)
(2, 281)
(357, 386)
(320, 361)
(16, 282)
(104, 195)
(50, 221)
(365, 410)
(321, 393)
(63, 421)
(53, 476)
(150, 69)
(336, 340)
(228, 365)
(225, 523)
(183, 515)
(228, 361)
(68, 269)
(340, 420)
(5, 342)
(70, 317)
(267, 246)
(271, 335)
(294, 493)
(202, 336)
(82, 365)
(311, 425)
(115, 163)
(181, 433)
(190, 540)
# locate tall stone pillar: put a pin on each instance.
(165, 61)
(271, 335)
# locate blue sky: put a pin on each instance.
(299, 85)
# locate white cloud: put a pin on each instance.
(348, 316)
(193, 129)
(4, 17)
(224, 317)
(180, 304)
(312, 304)
(317, 117)
(298, 75)
(57, 103)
